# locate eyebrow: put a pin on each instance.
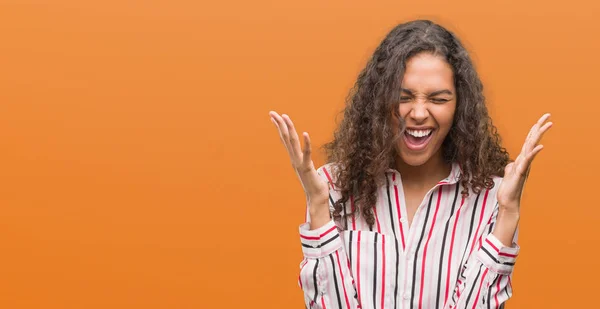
(444, 91)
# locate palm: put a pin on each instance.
(315, 188)
(515, 173)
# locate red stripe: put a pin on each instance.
(382, 269)
(480, 220)
(299, 276)
(352, 207)
(508, 254)
(305, 262)
(328, 177)
(349, 266)
(399, 212)
(320, 236)
(452, 247)
(342, 275)
(377, 220)
(498, 290)
(421, 287)
(491, 244)
(480, 241)
(323, 302)
(357, 266)
(479, 291)
(328, 231)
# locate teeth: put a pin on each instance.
(418, 133)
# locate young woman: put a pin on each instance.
(419, 205)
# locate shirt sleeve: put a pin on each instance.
(325, 276)
(485, 281)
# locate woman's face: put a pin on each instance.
(427, 105)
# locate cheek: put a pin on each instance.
(403, 110)
(445, 116)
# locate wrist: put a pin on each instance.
(319, 215)
(509, 207)
(318, 208)
(511, 213)
(506, 225)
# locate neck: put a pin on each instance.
(425, 175)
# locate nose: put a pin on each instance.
(419, 111)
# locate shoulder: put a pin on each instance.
(488, 191)
(497, 181)
(494, 190)
(328, 172)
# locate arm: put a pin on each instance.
(321, 281)
(325, 275)
(491, 269)
(486, 279)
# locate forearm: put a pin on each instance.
(506, 225)
(325, 275)
(319, 215)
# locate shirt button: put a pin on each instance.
(406, 296)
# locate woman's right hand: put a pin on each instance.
(316, 189)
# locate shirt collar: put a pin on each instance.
(453, 178)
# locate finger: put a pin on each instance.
(279, 131)
(534, 153)
(519, 158)
(527, 144)
(283, 132)
(539, 123)
(307, 148)
(523, 168)
(543, 119)
(283, 129)
(294, 140)
(545, 127)
(540, 133)
(537, 136)
(536, 133)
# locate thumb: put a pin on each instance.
(508, 167)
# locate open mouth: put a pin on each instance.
(417, 139)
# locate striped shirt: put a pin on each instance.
(448, 258)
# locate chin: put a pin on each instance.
(415, 160)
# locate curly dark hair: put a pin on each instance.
(363, 146)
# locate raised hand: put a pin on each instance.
(316, 189)
(515, 173)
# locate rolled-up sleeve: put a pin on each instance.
(497, 257)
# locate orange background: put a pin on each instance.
(140, 168)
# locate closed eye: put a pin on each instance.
(439, 100)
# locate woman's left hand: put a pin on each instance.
(515, 173)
